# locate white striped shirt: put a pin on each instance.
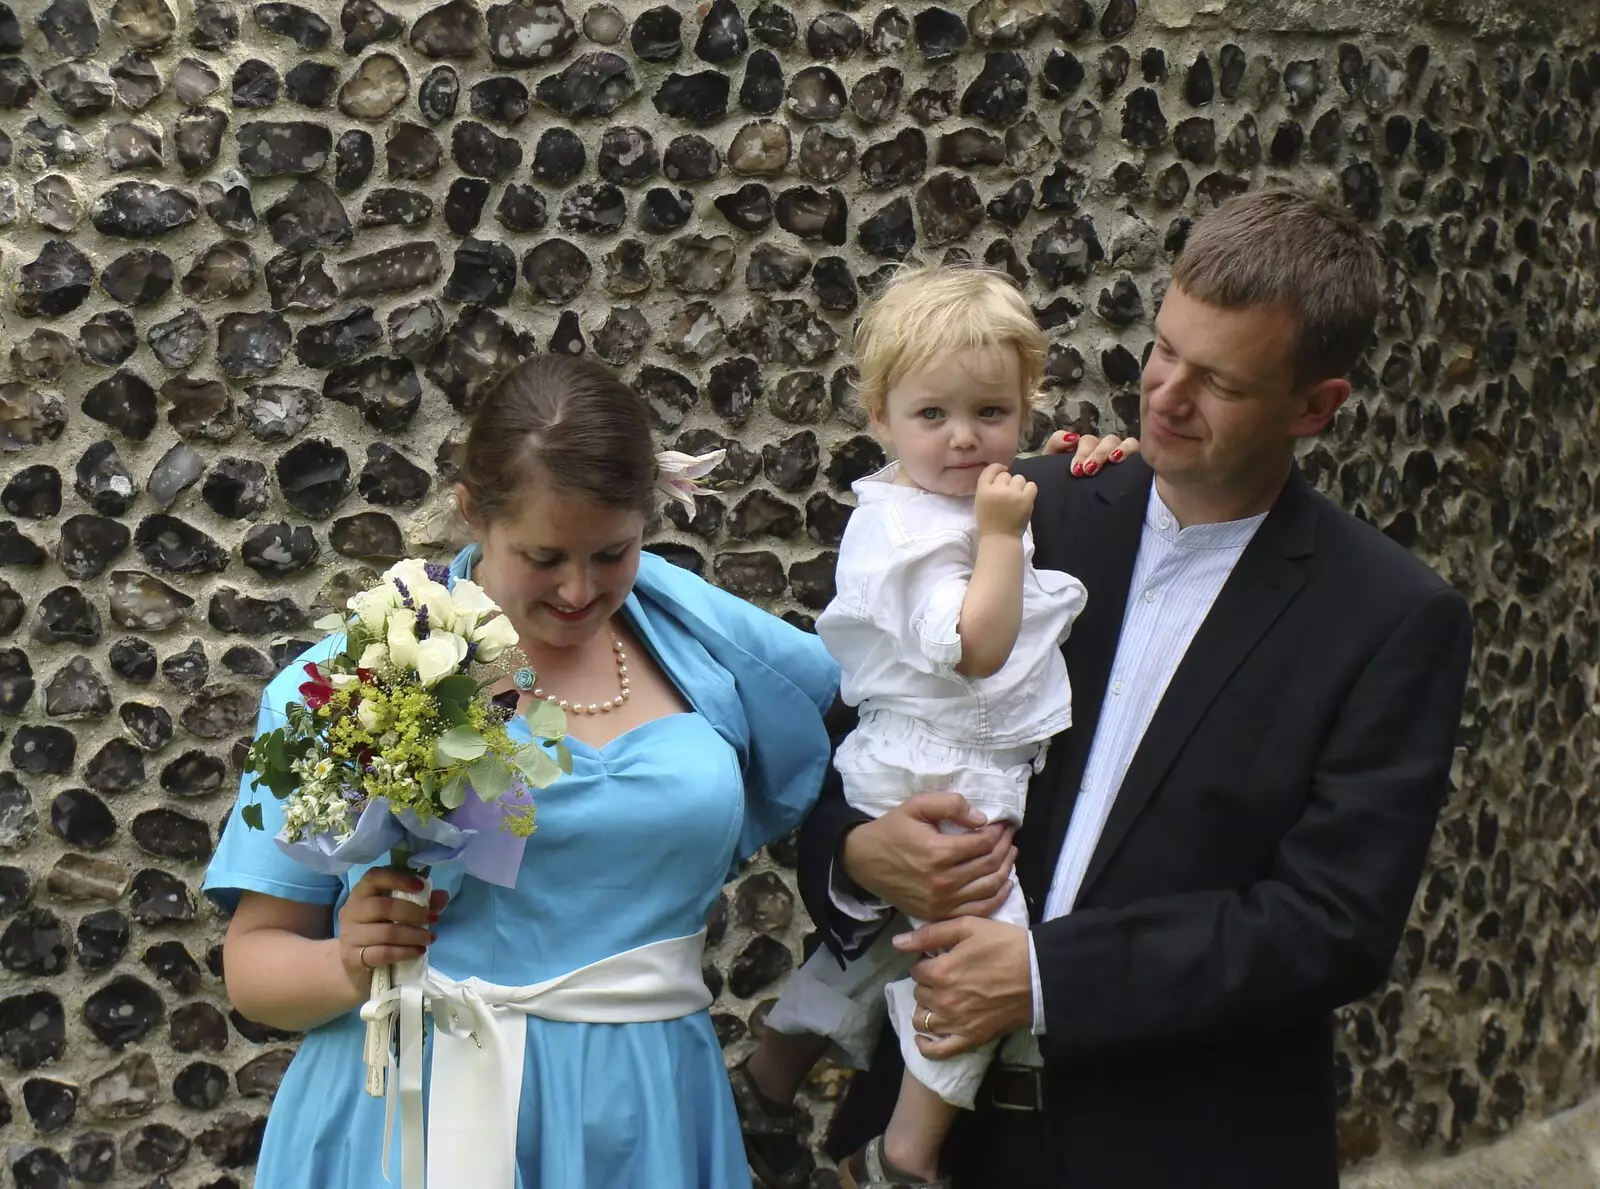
(1176, 579)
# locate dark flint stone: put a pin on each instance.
(813, 214)
(1114, 64)
(695, 333)
(390, 207)
(478, 349)
(200, 1086)
(1011, 206)
(594, 84)
(386, 391)
(18, 821)
(243, 661)
(627, 155)
(1063, 188)
(255, 84)
(453, 30)
(479, 152)
(627, 271)
(1080, 127)
(699, 263)
(69, 27)
(233, 1140)
(120, 1013)
(115, 768)
(18, 87)
(193, 774)
(439, 94)
(391, 270)
(389, 478)
(55, 282)
(1118, 18)
(276, 550)
(311, 84)
(463, 203)
(16, 889)
(353, 158)
(18, 550)
(522, 208)
(168, 834)
(1243, 146)
(159, 898)
(503, 100)
(92, 1157)
(33, 1029)
(138, 277)
(854, 459)
(80, 88)
(594, 208)
(664, 210)
(56, 204)
(35, 943)
(260, 1076)
(80, 818)
(366, 535)
(1217, 188)
(175, 472)
(1195, 139)
(817, 93)
(327, 344)
(559, 156)
(557, 270)
(896, 162)
(826, 155)
(700, 98)
(134, 660)
(890, 231)
(300, 282)
(102, 940)
(171, 963)
(50, 1104)
(771, 268)
(826, 518)
(949, 208)
(761, 148)
(875, 97)
(416, 329)
(237, 488)
(64, 616)
(1061, 75)
(365, 23)
(154, 1148)
(484, 271)
(940, 33)
(89, 544)
(309, 216)
(248, 346)
(748, 208)
(1327, 137)
(622, 337)
(833, 36)
(1286, 144)
(604, 24)
(784, 331)
(530, 33)
(834, 286)
(1172, 186)
(1066, 251)
(45, 145)
(668, 395)
(304, 27)
(811, 581)
(226, 269)
(762, 90)
(173, 547)
(1000, 92)
(891, 33)
(77, 691)
(16, 681)
(202, 410)
(799, 397)
(657, 34)
(1143, 123)
(229, 611)
(34, 492)
(792, 464)
(42, 355)
(722, 34)
(12, 609)
(145, 602)
(567, 337)
(754, 575)
(314, 476)
(774, 24)
(187, 670)
(412, 152)
(229, 202)
(149, 724)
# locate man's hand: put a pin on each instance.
(978, 986)
(1004, 502)
(1090, 453)
(904, 859)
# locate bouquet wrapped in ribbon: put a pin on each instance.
(396, 748)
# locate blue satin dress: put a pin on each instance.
(632, 847)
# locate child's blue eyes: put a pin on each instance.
(990, 413)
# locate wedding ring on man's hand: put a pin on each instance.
(927, 1022)
(361, 955)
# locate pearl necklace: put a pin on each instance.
(523, 679)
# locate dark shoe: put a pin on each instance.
(866, 1169)
(772, 1130)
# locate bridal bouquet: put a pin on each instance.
(397, 748)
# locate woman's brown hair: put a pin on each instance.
(569, 424)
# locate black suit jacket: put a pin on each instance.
(1258, 864)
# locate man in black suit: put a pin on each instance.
(1225, 845)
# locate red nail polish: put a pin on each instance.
(432, 916)
(1116, 456)
(1091, 468)
(432, 936)
(1077, 468)
(1069, 438)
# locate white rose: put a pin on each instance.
(471, 606)
(402, 636)
(367, 716)
(374, 656)
(424, 592)
(372, 604)
(439, 656)
(493, 638)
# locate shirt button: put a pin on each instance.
(1149, 596)
(1116, 687)
(1166, 522)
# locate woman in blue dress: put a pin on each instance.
(695, 722)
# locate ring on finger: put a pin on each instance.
(361, 956)
(927, 1021)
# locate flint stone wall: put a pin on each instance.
(259, 260)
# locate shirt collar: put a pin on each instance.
(1229, 534)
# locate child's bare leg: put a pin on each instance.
(781, 1063)
(917, 1130)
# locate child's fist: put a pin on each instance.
(1004, 502)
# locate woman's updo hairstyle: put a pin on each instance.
(566, 424)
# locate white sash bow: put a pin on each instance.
(480, 1040)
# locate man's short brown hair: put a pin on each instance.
(1279, 248)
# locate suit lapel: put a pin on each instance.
(1262, 584)
(1099, 547)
